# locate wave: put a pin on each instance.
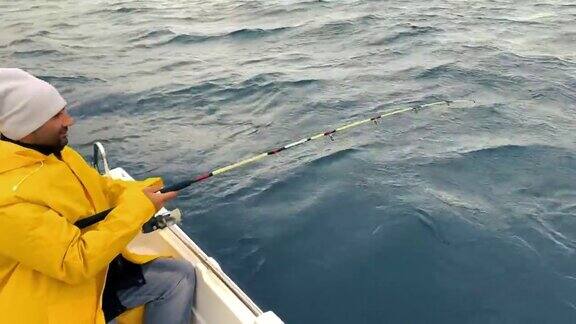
(120, 10)
(266, 12)
(77, 79)
(199, 95)
(183, 39)
(19, 24)
(179, 65)
(263, 84)
(64, 25)
(413, 31)
(206, 86)
(485, 76)
(258, 60)
(340, 27)
(440, 70)
(105, 104)
(509, 149)
(332, 157)
(294, 7)
(537, 154)
(152, 35)
(515, 58)
(36, 53)
(46, 6)
(23, 41)
(526, 22)
(189, 92)
(255, 32)
(40, 33)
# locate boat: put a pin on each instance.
(218, 298)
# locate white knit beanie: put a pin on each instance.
(26, 103)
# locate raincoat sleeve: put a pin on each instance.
(41, 239)
(113, 188)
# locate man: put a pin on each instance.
(50, 270)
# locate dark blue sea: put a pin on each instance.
(445, 216)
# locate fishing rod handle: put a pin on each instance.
(176, 187)
(91, 220)
(151, 225)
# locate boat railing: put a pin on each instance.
(100, 154)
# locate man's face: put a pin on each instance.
(54, 132)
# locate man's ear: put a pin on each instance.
(30, 138)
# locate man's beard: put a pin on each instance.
(60, 142)
(56, 146)
(63, 142)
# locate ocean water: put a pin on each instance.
(446, 216)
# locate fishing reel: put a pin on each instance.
(162, 220)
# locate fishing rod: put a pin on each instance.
(161, 222)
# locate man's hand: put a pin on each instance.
(157, 198)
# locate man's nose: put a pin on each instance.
(68, 120)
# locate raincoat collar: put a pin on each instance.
(44, 149)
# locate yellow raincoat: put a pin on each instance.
(51, 271)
